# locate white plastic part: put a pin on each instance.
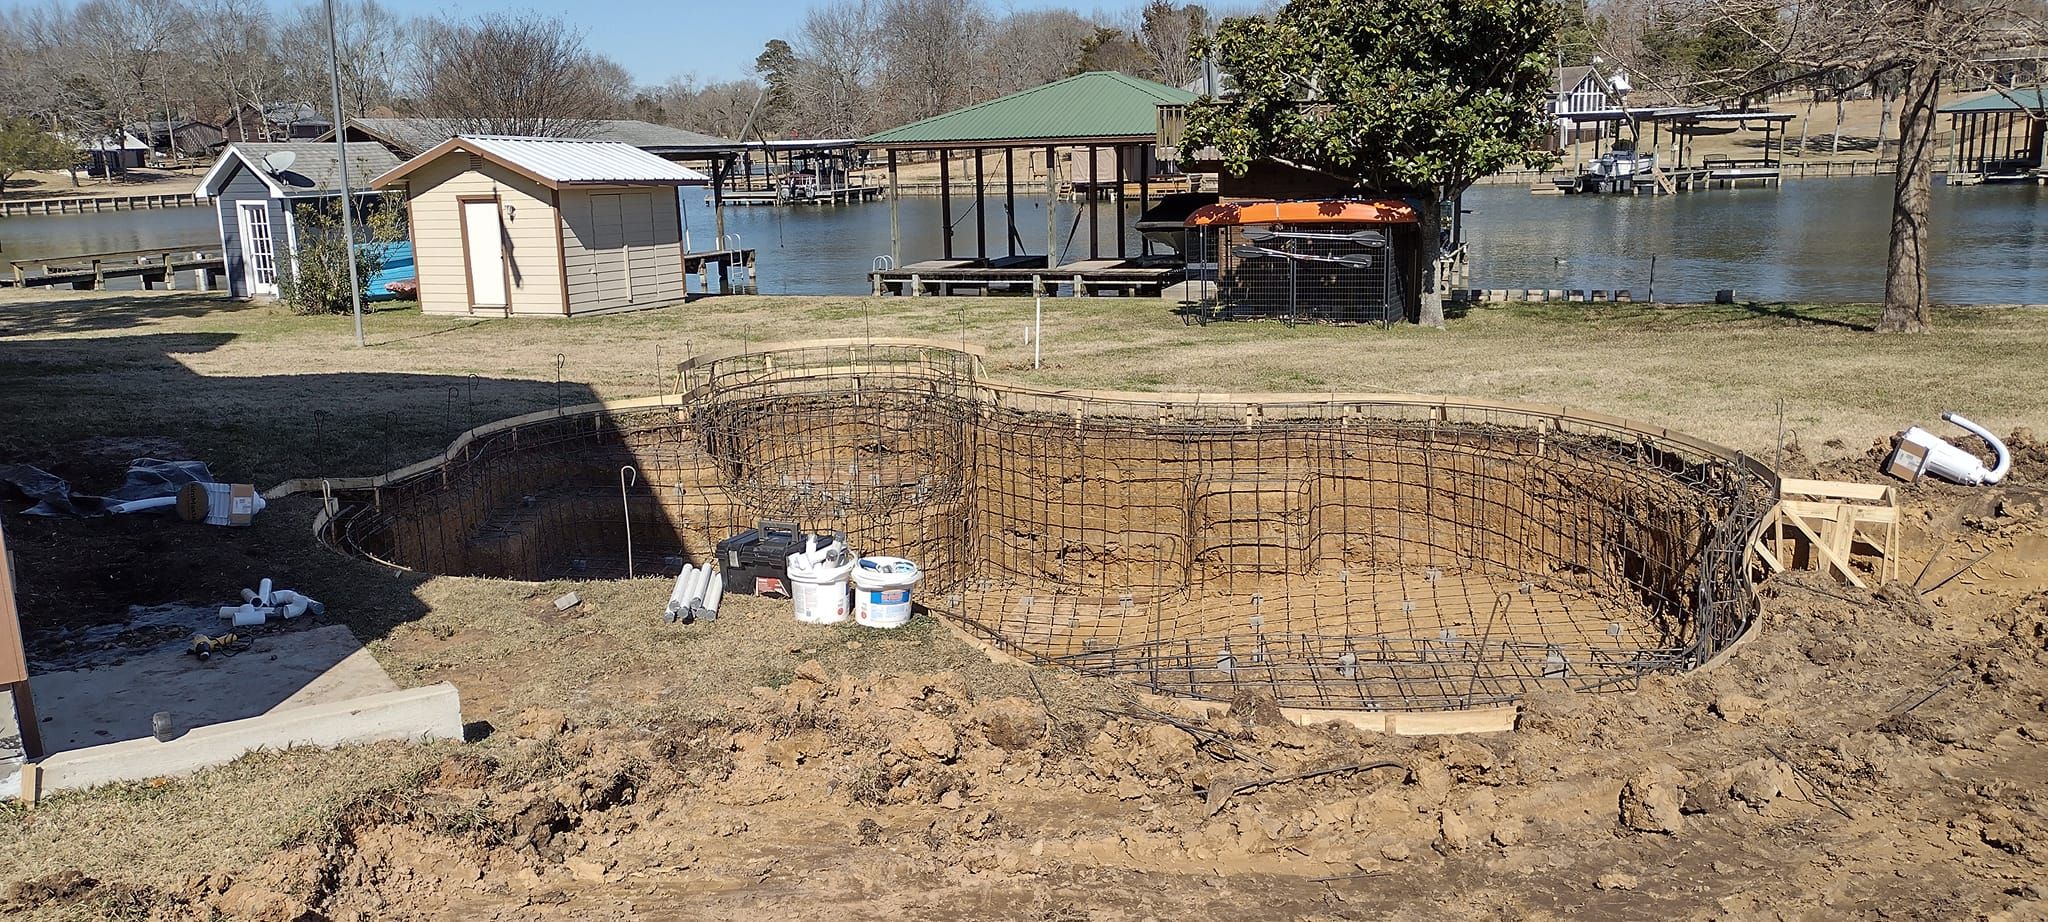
(246, 614)
(699, 581)
(712, 597)
(263, 592)
(881, 591)
(817, 587)
(1940, 458)
(673, 611)
(138, 505)
(290, 604)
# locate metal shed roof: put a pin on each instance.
(557, 162)
(1097, 106)
(2029, 101)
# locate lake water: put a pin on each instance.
(1816, 240)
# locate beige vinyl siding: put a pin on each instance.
(535, 282)
(622, 246)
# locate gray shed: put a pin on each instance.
(255, 187)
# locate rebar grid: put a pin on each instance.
(1384, 553)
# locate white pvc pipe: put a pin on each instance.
(289, 603)
(263, 591)
(2004, 464)
(138, 505)
(695, 592)
(713, 596)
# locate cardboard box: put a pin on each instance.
(218, 503)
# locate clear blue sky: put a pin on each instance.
(656, 40)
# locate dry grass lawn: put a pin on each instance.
(266, 395)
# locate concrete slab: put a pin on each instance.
(10, 743)
(430, 713)
(279, 671)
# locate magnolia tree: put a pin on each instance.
(1408, 97)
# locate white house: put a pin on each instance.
(1580, 90)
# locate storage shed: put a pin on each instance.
(505, 226)
(255, 189)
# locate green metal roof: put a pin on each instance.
(1084, 107)
(2029, 99)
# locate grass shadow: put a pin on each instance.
(106, 311)
(1807, 314)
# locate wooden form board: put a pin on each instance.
(1823, 525)
(13, 661)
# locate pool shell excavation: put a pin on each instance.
(1348, 552)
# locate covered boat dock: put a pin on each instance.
(1099, 113)
(1998, 137)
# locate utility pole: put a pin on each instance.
(348, 219)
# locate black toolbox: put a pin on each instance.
(756, 561)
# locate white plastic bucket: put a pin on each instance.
(818, 591)
(881, 591)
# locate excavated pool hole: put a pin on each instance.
(1360, 553)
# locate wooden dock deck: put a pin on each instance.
(91, 271)
(89, 204)
(1028, 275)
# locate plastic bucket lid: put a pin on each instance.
(885, 573)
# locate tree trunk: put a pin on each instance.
(1906, 309)
(1431, 313)
(1841, 114)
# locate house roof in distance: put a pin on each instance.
(413, 136)
(558, 162)
(315, 168)
(2029, 99)
(1095, 107)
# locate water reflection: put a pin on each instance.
(1812, 240)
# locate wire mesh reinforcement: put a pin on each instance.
(1356, 552)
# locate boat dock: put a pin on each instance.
(839, 195)
(91, 271)
(89, 204)
(1144, 277)
(724, 261)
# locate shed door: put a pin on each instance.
(259, 250)
(610, 256)
(483, 251)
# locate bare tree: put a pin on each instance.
(1921, 43)
(1169, 34)
(124, 52)
(929, 55)
(233, 61)
(369, 54)
(838, 61)
(1031, 48)
(518, 75)
(718, 109)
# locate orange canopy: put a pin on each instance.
(1321, 211)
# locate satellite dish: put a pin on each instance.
(279, 161)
